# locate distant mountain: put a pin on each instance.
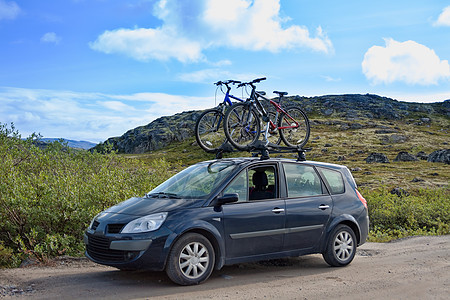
(71, 143)
(179, 127)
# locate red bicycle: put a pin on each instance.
(242, 122)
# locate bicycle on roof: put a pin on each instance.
(208, 128)
(242, 122)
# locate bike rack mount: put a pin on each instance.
(263, 149)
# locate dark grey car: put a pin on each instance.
(229, 211)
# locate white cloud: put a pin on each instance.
(9, 10)
(420, 97)
(190, 27)
(116, 105)
(408, 62)
(444, 18)
(88, 116)
(145, 44)
(212, 75)
(50, 37)
(330, 78)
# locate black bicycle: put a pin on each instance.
(242, 122)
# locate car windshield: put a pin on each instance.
(195, 182)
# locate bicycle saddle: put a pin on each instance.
(280, 93)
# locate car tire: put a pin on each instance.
(341, 246)
(191, 260)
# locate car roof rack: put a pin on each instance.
(263, 150)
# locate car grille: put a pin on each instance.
(115, 228)
(98, 249)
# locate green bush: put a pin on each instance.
(422, 212)
(48, 196)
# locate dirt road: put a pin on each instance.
(414, 268)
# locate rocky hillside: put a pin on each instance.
(347, 108)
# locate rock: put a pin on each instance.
(356, 126)
(394, 139)
(422, 155)
(341, 158)
(416, 179)
(357, 169)
(327, 112)
(425, 120)
(405, 156)
(345, 127)
(442, 156)
(328, 145)
(377, 158)
(399, 192)
(385, 131)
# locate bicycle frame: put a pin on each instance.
(227, 100)
(278, 108)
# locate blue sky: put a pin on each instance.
(93, 69)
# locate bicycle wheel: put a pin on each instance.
(242, 125)
(291, 134)
(209, 130)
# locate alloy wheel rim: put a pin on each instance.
(194, 260)
(343, 246)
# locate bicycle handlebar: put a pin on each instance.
(218, 83)
(251, 82)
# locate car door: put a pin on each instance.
(254, 226)
(308, 207)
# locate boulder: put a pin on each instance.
(377, 158)
(399, 192)
(394, 139)
(405, 156)
(442, 156)
(422, 155)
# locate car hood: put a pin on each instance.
(145, 206)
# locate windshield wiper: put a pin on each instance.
(163, 195)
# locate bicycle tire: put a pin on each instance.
(294, 137)
(209, 130)
(242, 126)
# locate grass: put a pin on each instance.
(425, 208)
(329, 143)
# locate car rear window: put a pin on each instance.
(334, 179)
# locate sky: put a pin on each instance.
(93, 69)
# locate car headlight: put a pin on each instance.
(145, 224)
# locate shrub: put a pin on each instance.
(49, 195)
(421, 212)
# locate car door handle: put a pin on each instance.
(323, 206)
(277, 210)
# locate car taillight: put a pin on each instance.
(361, 198)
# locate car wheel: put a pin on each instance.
(191, 260)
(341, 246)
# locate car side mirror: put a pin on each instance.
(227, 198)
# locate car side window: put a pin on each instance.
(334, 179)
(262, 183)
(239, 185)
(302, 181)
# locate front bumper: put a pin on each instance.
(125, 253)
